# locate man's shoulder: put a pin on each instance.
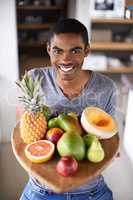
(43, 71)
(104, 81)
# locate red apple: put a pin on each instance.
(54, 134)
(67, 166)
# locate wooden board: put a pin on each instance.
(46, 173)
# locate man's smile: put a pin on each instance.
(66, 68)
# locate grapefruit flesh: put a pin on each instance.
(40, 151)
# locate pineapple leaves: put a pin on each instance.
(46, 111)
(28, 83)
(30, 88)
(37, 84)
(31, 85)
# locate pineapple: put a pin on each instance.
(33, 123)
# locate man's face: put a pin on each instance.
(67, 52)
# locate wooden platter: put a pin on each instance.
(46, 173)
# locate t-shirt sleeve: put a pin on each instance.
(35, 72)
(111, 106)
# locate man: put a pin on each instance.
(69, 88)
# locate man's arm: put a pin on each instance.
(19, 111)
(111, 107)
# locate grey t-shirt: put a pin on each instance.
(99, 91)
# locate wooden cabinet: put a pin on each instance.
(34, 19)
(116, 41)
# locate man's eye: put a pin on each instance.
(74, 51)
(57, 51)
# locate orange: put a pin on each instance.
(40, 151)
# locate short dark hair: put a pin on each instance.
(69, 25)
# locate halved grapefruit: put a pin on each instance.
(40, 151)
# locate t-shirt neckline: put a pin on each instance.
(87, 85)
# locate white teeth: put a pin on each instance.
(66, 69)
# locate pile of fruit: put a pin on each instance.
(75, 138)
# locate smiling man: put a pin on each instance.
(68, 88)
(67, 51)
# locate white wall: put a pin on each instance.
(128, 135)
(80, 10)
(8, 67)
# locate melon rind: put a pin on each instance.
(39, 159)
(101, 134)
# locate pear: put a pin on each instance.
(73, 114)
(71, 144)
(89, 138)
(53, 123)
(69, 124)
(95, 152)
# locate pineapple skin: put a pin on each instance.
(33, 127)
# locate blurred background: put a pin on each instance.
(24, 29)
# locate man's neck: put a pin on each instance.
(72, 88)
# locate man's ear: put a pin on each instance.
(48, 48)
(87, 50)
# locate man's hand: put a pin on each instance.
(19, 111)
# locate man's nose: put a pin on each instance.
(66, 58)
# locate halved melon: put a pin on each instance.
(40, 151)
(96, 121)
